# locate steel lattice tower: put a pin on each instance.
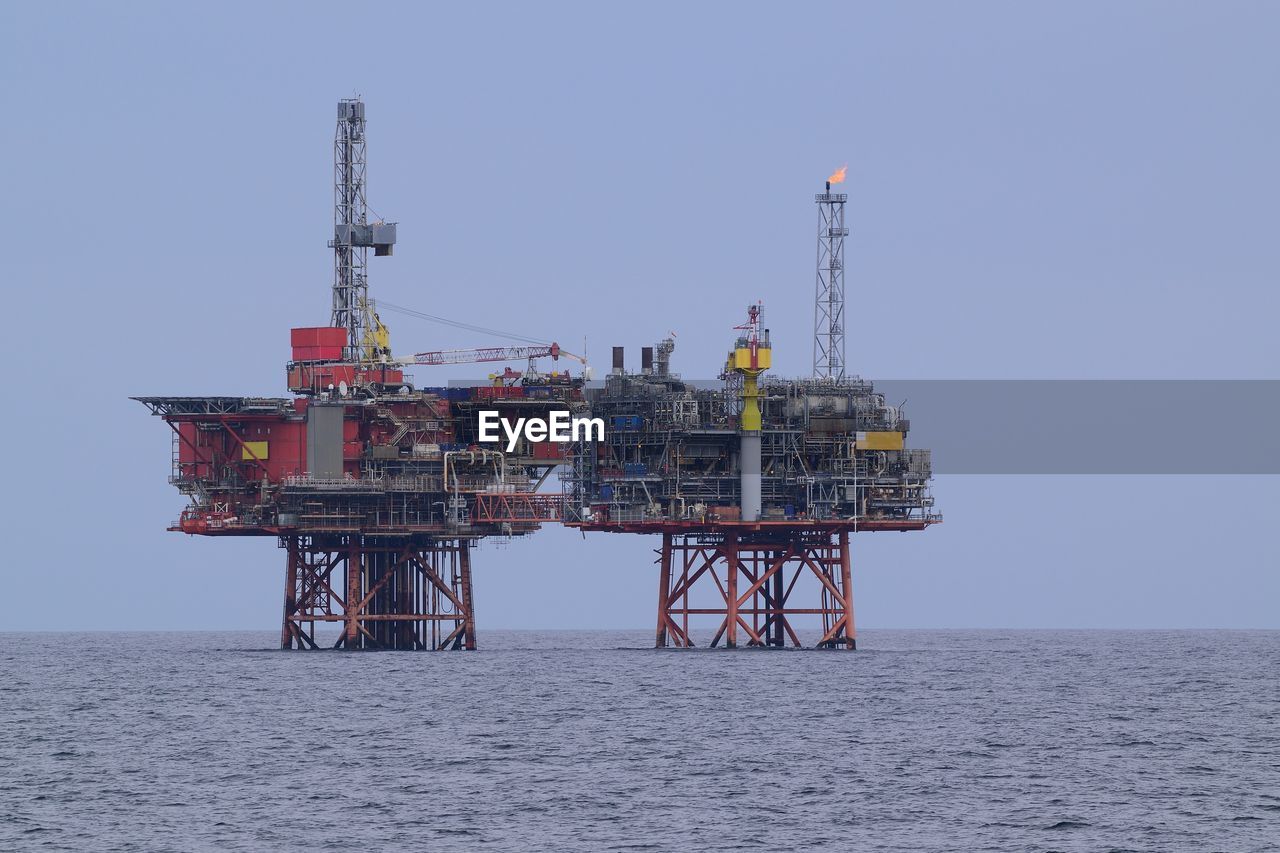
(828, 311)
(350, 215)
(352, 233)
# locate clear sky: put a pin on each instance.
(1070, 190)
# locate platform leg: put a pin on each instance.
(846, 582)
(664, 592)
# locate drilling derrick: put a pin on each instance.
(828, 309)
(353, 235)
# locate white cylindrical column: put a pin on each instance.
(749, 463)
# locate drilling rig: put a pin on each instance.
(375, 490)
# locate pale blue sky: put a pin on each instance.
(1072, 190)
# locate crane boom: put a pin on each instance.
(484, 354)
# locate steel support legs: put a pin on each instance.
(380, 594)
(750, 580)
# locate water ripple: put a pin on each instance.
(924, 740)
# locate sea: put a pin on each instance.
(594, 741)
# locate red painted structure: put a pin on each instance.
(376, 490)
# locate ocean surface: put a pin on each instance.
(920, 740)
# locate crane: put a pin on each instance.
(532, 376)
(483, 354)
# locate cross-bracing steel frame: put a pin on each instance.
(403, 593)
(754, 576)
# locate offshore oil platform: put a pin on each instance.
(378, 490)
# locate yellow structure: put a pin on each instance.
(376, 346)
(878, 441)
(750, 357)
(254, 450)
(741, 358)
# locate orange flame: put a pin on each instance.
(837, 177)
